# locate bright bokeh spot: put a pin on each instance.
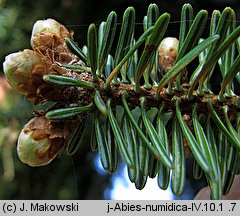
(123, 189)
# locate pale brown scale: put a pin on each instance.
(58, 132)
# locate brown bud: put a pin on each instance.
(167, 53)
(41, 140)
(24, 71)
(49, 38)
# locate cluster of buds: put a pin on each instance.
(25, 69)
(41, 140)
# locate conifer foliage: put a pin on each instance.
(142, 101)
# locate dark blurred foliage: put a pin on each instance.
(18, 16)
(66, 177)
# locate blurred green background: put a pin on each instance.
(79, 176)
